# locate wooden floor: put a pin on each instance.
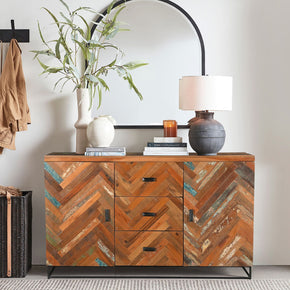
(259, 272)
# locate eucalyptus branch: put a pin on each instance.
(73, 39)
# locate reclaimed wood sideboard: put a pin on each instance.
(149, 210)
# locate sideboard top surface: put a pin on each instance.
(138, 157)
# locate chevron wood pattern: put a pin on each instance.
(133, 213)
(165, 248)
(219, 199)
(168, 178)
(77, 197)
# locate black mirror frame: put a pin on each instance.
(202, 47)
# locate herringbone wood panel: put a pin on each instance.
(221, 196)
(168, 213)
(168, 175)
(76, 197)
(130, 248)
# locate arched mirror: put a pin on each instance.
(163, 35)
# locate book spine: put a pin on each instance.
(154, 144)
(28, 231)
(166, 153)
(167, 139)
(105, 149)
(4, 237)
(165, 149)
(105, 154)
(14, 244)
(22, 237)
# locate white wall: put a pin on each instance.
(249, 39)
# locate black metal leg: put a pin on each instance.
(50, 269)
(247, 270)
(249, 273)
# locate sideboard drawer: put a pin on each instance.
(149, 213)
(149, 179)
(149, 248)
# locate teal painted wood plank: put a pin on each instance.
(101, 263)
(189, 165)
(52, 199)
(189, 189)
(53, 173)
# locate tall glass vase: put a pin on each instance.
(84, 118)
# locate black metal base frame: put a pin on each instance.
(113, 272)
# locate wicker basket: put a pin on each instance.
(21, 248)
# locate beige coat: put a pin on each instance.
(14, 110)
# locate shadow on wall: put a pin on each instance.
(61, 127)
(269, 119)
(59, 137)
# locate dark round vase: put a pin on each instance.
(206, 135)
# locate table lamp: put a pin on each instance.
(204, 94)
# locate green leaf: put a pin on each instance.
(57, 51)
(121, 71)
(90, 87)
(65, 60)
(53, 70)
(69, 22)
(40, 33)
(45, 67)
(63, 42)
(104, 84)
(113, 62)
(117, 13)
(108, 45)
(110, 7)
(68, 79)
(61, 79)
(124, 29)
(92, 78)
(89, 9)
(43, 52)
(66, 6)
(73, 69)
(52, 15)
(100, 96)
(133, 65)
(128, 77)
(88, 36)
(83, 47)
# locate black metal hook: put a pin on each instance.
(21, 35)
(13, 28)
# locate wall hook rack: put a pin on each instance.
(21, 35)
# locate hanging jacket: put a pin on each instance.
(14, 110)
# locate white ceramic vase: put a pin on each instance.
(101, 131)
(84, 118)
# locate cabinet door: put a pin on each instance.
(79, 201)
(218, 215)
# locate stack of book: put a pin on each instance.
(105, 151)
(166, 146)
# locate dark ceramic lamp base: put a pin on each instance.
(206, 135)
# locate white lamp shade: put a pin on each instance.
(200, 93)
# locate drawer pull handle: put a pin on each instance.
(149, 179)
(149, 249)
(107, 215)
(149, 214)
(190, 218)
